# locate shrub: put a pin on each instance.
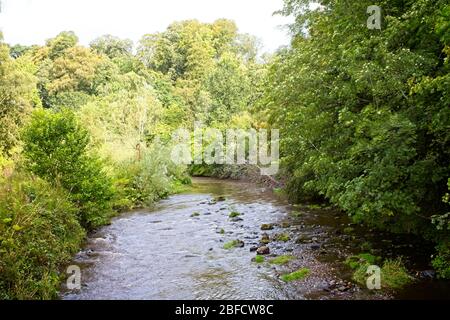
(355, 262)
(442, 261)
(55, 149)
(394, 274)
(39, 233)
(141, 182)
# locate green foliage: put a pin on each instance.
(442, 261)
(228, 86)
(142, 182)
(18, 50)
(364, 114)
(74, 70)
(69, 74)
(201, 170)
(18, 95)
(123, 119)
(39, 233)
(232, 244)
(112, 47)
(393, 272)
(211, 68)
(362, 259)
(63, 41)
(234, 214)
(283, 237)
(55, 148)
(300, 274)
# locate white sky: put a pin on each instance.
(33, 21)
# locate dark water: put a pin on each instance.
(166, 253)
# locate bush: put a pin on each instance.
(141, 182)
(39, 233)
(55, 149)
(442, 261)
(394, 274)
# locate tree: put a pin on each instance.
(18, 95)
(60, 43)
(229, 88)
(364, 114)
(208, 65)
(111, 46)
(56, 149)
(248, 47)
(75, 70)
(18, 50)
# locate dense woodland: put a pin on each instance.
(364, 118)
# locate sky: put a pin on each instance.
(30, 22)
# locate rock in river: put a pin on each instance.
(263, 250)
(265, 227)
(265, 239)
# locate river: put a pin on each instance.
(176, 250)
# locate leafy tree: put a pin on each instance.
(229, 88)
(61, 43)
(364, 113)
(224, 34)
(208, 65)
(18, 95)
(18, 50)
(75, 70)
(111, 46)
(248, 47)
(55, 148)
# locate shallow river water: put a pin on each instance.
(175, 250)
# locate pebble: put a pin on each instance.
(263, 250)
